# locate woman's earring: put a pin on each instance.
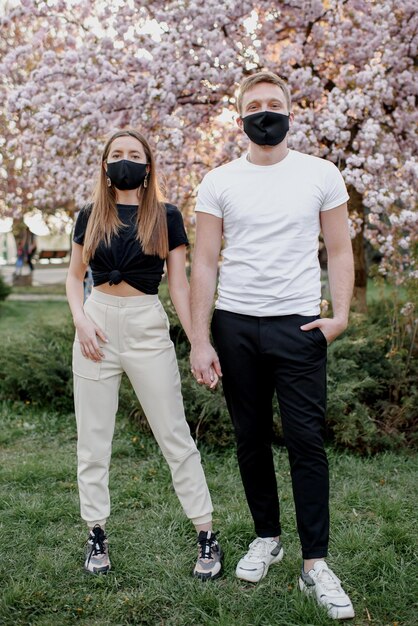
(146, 181)
(109, 182)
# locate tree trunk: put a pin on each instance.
(360, 265)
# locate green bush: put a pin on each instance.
(4, 289)
(372, 384)
(36, 366)
(372, 381)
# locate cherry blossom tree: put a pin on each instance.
(73, 72)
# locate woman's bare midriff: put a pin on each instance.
(122, 289)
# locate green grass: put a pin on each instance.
(378, 290)
(152, 543)
(18, 316)
(57, 289)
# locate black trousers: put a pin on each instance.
(259, 356)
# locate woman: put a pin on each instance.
(125, 236)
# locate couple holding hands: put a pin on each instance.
(268, 207)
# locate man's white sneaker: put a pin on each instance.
(321, 582)
(263, 552)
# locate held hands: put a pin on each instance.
(330, 327)
(87, 334)
(205, 365)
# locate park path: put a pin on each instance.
(43, 275)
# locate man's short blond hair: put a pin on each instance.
(262, 77)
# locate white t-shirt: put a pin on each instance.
(271, 227)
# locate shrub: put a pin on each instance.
(36, 366)
(4, 289)
(372, 376)
(372, 384)
(373, 381)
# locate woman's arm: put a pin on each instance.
(178, 287)
(87, 331)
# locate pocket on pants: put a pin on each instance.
(163, 314)
(319, 337)
(82, 366)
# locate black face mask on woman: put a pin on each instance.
(266, 128)
(126, 174)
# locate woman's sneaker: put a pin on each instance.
(97, 552)
(321, 582)
(209, 561)
(263, 552)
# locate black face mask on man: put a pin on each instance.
(126, 174)
(266, 128)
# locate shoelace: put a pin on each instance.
(206, 546)
(330, 584)
(98, 546)
(257, 549)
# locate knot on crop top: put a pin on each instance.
(115, 277)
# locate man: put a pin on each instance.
(269, 206)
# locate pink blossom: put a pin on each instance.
(352, 82)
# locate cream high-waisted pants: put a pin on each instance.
(140, 345)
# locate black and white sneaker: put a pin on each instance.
(209, 561)
(97, 552)
(322, 583)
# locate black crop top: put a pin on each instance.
(124, 258)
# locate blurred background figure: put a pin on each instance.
(20, 255)
(29, 248)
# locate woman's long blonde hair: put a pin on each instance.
(104, 221)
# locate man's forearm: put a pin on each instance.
(341, 282)
(202, 286)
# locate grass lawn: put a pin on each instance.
(152, 543)
(42, 290)
(18, 317)
(376, 291)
